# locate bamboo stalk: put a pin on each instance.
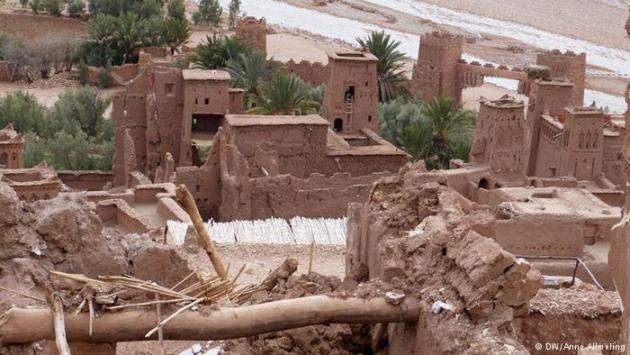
(158, 310)
(310, 258)
(142, 304)
(238, 274)
(183, 280)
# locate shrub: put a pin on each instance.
(24, 112)
(53, 7)
(216, 51)
(75, 8)
(83, 70)
(176, 9)
(209, 12)
(35, 5)
(105, 76)
(24, 3)
(80, 110)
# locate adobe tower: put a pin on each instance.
(436, 74)
(500, 135)
(351, 95)
(567, 65)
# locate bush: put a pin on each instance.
(24, 112)
(209, 12)
(53, 7)
(83, 70)
(216, 51)
(24, 3)
(35, 5)
(80, 110)
(176, 9)
(75, 8)
(105, 76)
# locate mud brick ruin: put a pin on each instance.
(526, 243)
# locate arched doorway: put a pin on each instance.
(483, 183)
(338, 125)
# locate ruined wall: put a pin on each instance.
(119, 213)
(150, 107)
(312, 72)
(570, 66)
(612, 160)
(85, 180)
(578, 316)
(317, 196)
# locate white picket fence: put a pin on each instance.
(297, 230)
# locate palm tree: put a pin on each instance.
(249, 71)
(216, 51)
(176, 32)
(389, 68)
(129, 35)
(284, 95)
(443, 132)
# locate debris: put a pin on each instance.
(438, 306)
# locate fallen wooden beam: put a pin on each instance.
(203, 237)
(19, 325)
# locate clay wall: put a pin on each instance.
(253, 32)
(612, 159)
(298, 147)
(85, 180)
(570, 66)
(286, 196)
(576, 316)
(312, 72)
(119, 213)
(37, 190)
(351, 95)
(237, 100)
(12, 155)
(126, 72)
(499, 138)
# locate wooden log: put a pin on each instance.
(279, 275)
(353, 238)
(19, 325)
(203, 237)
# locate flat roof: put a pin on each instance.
(265, 120)
(203, 74)
(354, 56)
(505, 101)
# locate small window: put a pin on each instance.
(169, 89)
(367, 84)
(196, 101)
(369, 118)
(206, 101)
(338, 125)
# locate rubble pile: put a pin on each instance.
(66, 235)
(469, 287)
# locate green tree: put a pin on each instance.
(208, 12)
(24, 3)
(250, 70)
(444, 132)
(395, 116)
(390, 75)
(234, 8)
(216, 51)
(176, 9)
(24, 112)
(53, 7)
(80, 110)
(129, 35)
(177, 32)
(76, 8)
(35, 5)
(284, 95)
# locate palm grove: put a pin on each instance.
(74, 134)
